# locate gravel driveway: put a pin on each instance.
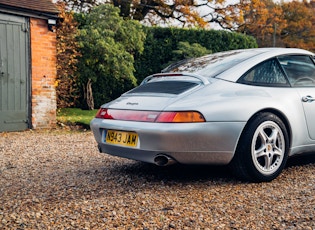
(58, 180)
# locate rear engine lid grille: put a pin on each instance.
(165, 87)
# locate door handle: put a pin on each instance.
(308, 98)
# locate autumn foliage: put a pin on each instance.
(263, 20)
(186, 13)
(300, 29)
(285, 24)
(67, 59)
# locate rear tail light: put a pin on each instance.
(180, 117)
(151, 116)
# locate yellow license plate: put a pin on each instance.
(121, 138)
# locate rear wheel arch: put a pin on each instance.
(280, 115)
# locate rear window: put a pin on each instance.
(267, 73)
(213, 64)
(168, 87)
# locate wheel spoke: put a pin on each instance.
(273, 136)
(277, 151)
(261, 151)
(263, 136)
(268, 161)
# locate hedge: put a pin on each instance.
(161, 42)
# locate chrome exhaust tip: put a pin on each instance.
(163, 160)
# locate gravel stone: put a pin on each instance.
(57, 179)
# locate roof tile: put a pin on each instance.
(36, 5)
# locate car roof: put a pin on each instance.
(230, 65)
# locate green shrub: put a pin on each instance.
(161, 43)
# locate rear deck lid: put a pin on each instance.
(158, 91)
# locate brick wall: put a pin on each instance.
(43, 72)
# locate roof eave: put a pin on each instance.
(28, 12)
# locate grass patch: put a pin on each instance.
(76, 116)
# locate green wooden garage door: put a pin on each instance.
(14, 73)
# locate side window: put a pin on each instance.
(268, 73)
(300, 70)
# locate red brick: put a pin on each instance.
(43, 53)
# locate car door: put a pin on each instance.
(300, 70)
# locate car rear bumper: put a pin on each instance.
(186, 143)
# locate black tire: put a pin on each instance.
(262, 151)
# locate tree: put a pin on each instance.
(186, 50)
(80, 5)
(300, 29)
(286, 24)
(67, 59)
(189, 13)
(108, 44)
(263, 19)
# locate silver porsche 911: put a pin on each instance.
(250, 109)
